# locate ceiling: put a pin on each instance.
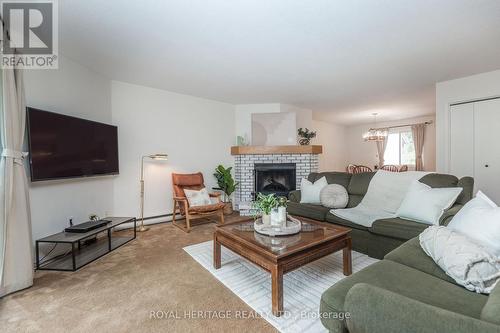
(344, 59)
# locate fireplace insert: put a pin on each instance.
(277, 178)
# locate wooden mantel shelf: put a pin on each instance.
(254, 150)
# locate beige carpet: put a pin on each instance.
(117, 292)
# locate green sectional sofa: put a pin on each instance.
(407, 292)
(384, 235)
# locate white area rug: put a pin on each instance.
(302, 287)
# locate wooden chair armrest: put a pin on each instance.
(180, 198)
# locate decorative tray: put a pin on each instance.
(292, 226)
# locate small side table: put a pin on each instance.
(79, 255)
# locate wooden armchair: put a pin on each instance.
(181, 204)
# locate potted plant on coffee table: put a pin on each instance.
(226, 183)
(264, 204)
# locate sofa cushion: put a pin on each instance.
(334, 196)
(338, 220)
(479, 220)
(310, 191)
(294, 196)
(359, 183)
(449, 213)
(396, 313)
(397, 228)
(409, 282)
(492, 308)
(340, 178)
(444, 180)
(315, 212)
(436, 180)
(412, 255)
(425, 204)
(467, 183)
(354, 200)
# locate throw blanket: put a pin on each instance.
(383, 198)
(468, 263)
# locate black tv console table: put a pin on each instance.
(80, 255)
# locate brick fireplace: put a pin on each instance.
(270, 169)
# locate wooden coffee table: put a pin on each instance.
(282, 254)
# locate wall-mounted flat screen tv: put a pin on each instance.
(62, 146)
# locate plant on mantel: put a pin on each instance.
(226, 183)
(305, 136)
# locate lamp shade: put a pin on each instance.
(159, 156)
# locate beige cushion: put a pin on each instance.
(425, 204)
(197, 197)
(309, 192)
(479, 219)
(334, 196)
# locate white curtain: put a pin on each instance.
(16, 255)
(417, 132)
(381, 146)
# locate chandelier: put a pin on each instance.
(375, 134)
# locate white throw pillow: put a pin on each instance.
(334, 196)
(309, 192)
(468, 263)
(425, 204)
(479, 220)
(197, 197)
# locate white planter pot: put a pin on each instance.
(266, 219)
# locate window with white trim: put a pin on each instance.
(400, 149)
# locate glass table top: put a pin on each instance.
(310, 234)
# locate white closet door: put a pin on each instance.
(462, 140)
(487, 148)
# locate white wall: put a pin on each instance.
(304, 116)
(333, 139)
(196, 133)
(466, 89)
(365, 153)
(77, 91)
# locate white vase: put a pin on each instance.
(282, 215)
(275, 217)
(266, 219)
